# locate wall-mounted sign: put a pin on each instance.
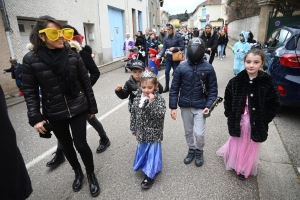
(277, 23)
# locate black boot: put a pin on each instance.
(93, 183)
(104, 144)
(57, 159)
(166, 89)
(199, 157)
(147, 182)
(77, 183)
(189, 158)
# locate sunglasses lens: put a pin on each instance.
(68, 33)
(52, 34)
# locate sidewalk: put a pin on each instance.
(11, 101)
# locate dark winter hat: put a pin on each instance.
(137, 64)
(48, 128)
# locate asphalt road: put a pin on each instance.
(277, 178)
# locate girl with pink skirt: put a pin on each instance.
(251, 102)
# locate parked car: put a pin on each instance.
(283, 63)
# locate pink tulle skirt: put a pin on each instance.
(241, 153)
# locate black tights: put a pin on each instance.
(78, 128)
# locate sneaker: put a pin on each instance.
(224, 56)
(218, 58)
(221, 59)
(199, 157)
(189, 158)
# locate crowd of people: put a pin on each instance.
(63, 71)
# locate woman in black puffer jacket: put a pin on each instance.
(67, 94)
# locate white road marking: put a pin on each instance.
(50, 151)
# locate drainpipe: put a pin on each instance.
(147, 13)
(7, 27)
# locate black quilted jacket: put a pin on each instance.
(263, 103)
(56, 106)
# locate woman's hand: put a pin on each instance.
(39, 127)
(174, 114)
(91, 116)
(171, 49)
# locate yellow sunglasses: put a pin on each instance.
(53, 34)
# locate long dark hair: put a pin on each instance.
(40, 24)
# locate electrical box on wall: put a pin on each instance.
(91, 36)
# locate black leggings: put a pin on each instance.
(78, 128)
(96, 124)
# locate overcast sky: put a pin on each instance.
(179, 6)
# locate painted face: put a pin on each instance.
(136, 73)
(253, 63)
(148, 87)
(57, 44)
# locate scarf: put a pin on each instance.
(58, 61)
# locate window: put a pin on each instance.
(279, 37)
(31, 26)
(154, 20)
(21, 28)
(298, 43)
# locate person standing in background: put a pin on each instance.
(210, 38)
(16, 73)
(173, 43)
(128, 44)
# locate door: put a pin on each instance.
(117, 36)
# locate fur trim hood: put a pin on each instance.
(29, 46)
(74, 44)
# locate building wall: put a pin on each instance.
(164, 18)
(251, 23)
(126, 7)
(7, 83)
(67, 11)
(213, 10)
(154, 10)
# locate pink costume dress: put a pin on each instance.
(241, 153)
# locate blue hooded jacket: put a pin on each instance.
(240, 49)
(187, 90)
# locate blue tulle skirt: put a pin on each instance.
(148, 158)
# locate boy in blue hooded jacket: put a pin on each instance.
(240, 49)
